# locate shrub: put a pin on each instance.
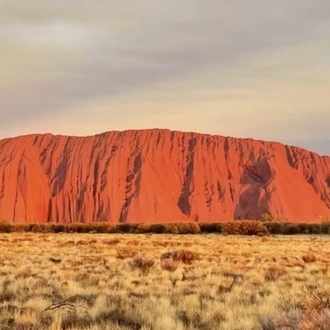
(268, 217)
(125, 253)
(273, 273)
(171, 228)
(324, 218)
(113, 241)
(231, 228)
(210, 227)
(169, 265)
(313, 228)
(144, 264)
(5, 227)
(41, 228)
(316, 298)
(90, 227)
(184, 256)
(112, 228)
(304, 228)
(275, 228)
(58, 228)
(21, 228)
(76, 227)
(311, 312)
(143, 228)
(291, 229)
(188, 228)
(158, 228)
(126, 227)
(251, 227)
(309, 258)
(100, 227)
(244, 227)
(325, 227)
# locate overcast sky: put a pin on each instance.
(257, 68)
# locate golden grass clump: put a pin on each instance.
(273, 273)
(184, 256)
(143, 263)
(309, 258)
(125, 253)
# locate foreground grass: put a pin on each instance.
(170, 282)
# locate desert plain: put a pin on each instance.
(164, 282)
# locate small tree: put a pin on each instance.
(268, 217)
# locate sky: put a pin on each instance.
(256, 68)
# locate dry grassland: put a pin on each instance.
(163, 282)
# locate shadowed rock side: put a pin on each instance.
(159, 176)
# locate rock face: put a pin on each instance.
(159, 176)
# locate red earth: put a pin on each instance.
(159, 176)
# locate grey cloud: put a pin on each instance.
(167, 40)
(76, 11)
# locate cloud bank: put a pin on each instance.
(256, 68)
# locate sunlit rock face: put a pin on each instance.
(159, 176)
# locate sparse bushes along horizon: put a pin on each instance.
(235, 227)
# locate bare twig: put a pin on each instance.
(63, 304)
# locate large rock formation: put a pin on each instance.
(159, 176)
